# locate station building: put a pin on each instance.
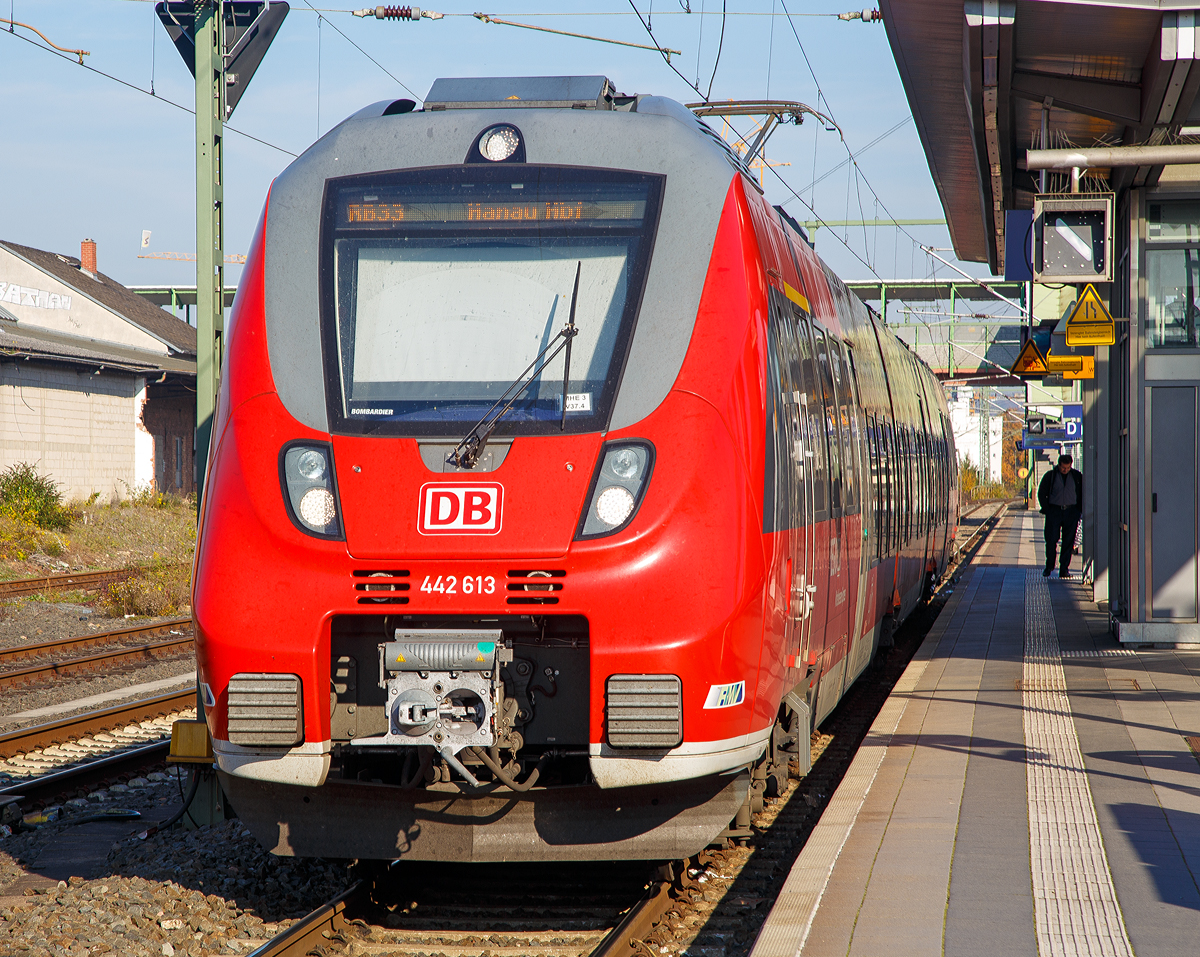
(97, 385)
(1018, 101)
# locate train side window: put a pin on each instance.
(831, 421)
(789, 431)
(776, 473)
(888, 444)
(814, 410)
(843, 375)
(873, 459)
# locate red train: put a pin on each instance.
(557, 489)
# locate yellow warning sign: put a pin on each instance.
(1064, 363)
(1030, 361)
(1090, 308)
(1090, 323)
(1091, 334)
(1087, 372)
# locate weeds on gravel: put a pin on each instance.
(162, 590)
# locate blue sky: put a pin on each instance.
(85, 156)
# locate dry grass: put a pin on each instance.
(148, 530)
(161, 591)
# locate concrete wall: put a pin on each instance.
(170, 418)
(80, 429)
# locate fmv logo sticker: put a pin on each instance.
(452, 509)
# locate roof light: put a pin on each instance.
(499, 143)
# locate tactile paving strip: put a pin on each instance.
(1100, 653)
(1075, 907)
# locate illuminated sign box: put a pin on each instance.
(1072, 238)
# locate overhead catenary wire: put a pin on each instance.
(720, 47)
(134, 86)
(488, 18)
(361, 50)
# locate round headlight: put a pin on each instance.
(624, 463)
(499, 143)
(317, 508)
(614, 505)
(311, 465)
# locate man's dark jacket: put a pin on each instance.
(1046, 488)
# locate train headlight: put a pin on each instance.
(309, 488)
(499, 143)
(613, 505)
(317, 508)
(625, 463)
(311, 464)
(617, 488)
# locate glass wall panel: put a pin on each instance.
(1173, 285)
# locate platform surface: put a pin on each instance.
(1028, 789)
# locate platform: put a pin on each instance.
(1028, 789)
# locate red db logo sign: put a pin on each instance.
(449, 509)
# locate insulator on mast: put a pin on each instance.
(397, 13)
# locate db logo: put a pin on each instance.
(448, 509)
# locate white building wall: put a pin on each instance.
(143, 441)
(78, 428)
(39, 300)
(971, 444)
(996, 447)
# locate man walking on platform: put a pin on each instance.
(1060, 496)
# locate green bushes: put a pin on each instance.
(32, 499)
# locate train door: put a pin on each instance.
(859, 652)
(837, 628)
(818, 467)
(810, 459)
(788, 449)
(777, 492)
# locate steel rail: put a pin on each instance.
(38, 736)
(88, 774)
(83, 581)
(985, 526)
(98, 638)
(309, 931)
(626, 939)
(116, 656)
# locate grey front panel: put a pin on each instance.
(1173, 502)
(698, 177)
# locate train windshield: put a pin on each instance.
(442, 286)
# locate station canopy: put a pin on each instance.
(1108, 73)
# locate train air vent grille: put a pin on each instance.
(644, 711)
(265, 709)
(380, 586)
(534, 586)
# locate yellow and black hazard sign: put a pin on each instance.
(1030, 361)
(1090, 323)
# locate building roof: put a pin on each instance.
(21, 341)
(177, 335)
(1106, 72)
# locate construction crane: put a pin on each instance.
(230, 258)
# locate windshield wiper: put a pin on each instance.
(466, 454)
(572, 332)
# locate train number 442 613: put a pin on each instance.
(453, 585)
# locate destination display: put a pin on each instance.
(373, 212)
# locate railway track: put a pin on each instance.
(49, 759)
(717, 904)
(602, 912)
(70, 581)
(175, 643)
